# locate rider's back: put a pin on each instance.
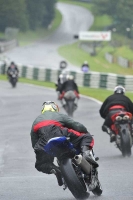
(116, 99)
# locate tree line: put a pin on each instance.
(121, 12)
(26, 14)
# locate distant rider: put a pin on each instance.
(62, 76)
(50, 123)
(63, 64)
(12, 69)
(112, 104)
(61, 79)
(85, 67)
(69, 85)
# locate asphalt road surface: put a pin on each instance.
(44, 53)
(19, 180)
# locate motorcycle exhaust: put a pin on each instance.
(81, 161)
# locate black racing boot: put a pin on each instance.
(112, 137)
(58, 174)
(110, 132)
(88, 155)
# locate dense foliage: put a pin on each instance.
(24, 14)
(121, 11)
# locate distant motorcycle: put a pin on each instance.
(70, 102)
(77, 173)
(123, 130)
(13, 78)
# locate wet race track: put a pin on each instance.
(19, 180)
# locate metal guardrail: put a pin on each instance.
(109, 57)
(123, 62)
(7, 45)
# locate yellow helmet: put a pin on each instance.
(49, 106)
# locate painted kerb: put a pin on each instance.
(92, 79)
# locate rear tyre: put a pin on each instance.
(75, 184)
(126, 143)
(70, 108)
(13, 82)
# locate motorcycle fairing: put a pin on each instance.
(122, 114)
(57, 146)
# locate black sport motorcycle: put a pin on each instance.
(70, 102)
(13, 78)
(77, 173)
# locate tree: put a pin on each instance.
(121, 12)
(40, 12)
(13, 14)
(50, 12)
(36, 10)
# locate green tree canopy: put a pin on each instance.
(121, 12)
(13, 14)
(50, 12)
(36, 10)
(26, 13)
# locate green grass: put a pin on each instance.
(2, 35)
(76, 56)
(100, 22)
(99, 94)
(125, 52)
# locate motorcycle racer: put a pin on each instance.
(12, 69)
(68, 85)
(113, 104)
(50, 123)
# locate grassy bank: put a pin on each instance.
(99, 94)
(75, 55)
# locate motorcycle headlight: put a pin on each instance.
(118, 118)
(125, 117)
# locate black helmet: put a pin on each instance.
(119, 89)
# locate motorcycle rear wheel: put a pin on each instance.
(75, 184)
(70, 108)
(13, 82)
(125, 143)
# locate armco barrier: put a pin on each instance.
(119, 60)
(122, 62)
(109, 57)
(92, 79)
(7, 45)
